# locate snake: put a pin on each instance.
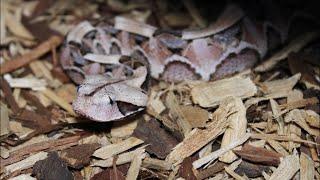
(102, 58)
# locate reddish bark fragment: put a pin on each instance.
(259, 155)
(7, 92)
(111, 173)
(186, 169)
(211, 170)
(78, 156)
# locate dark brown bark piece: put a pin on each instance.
(250, 170)
(7, 92)
(160, 141)
(78, 156)
(317, 139)
(186, 169)
(109, 173)
(211, 171)
(259, 155)
(298, 64)
(52, 168)
(34, 101)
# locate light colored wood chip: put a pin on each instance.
(17, 96)
(313, 119)
(26, 82)
(153, 163)
(135, 165)
(281, 85)
(122, 158)
(206, 150)
(198, 138)
(39, 69)
(299, 104)
(132, 26)
(211, 94)
(216, 154)
(4, 121)
(196, 116)
(256, 100)
(26, 163)
(104, 59)
(287, 168)
(299, 116)
(306, 167)
(235, 131)
(23, 177)
(294, 46)
(123, 128)
(14, 24)
(58, 100)
(176, 111)
(276, 115)
(155, 102)
(277, 146)
(114, 149)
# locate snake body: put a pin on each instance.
(93, 57)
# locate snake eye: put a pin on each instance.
(111, 101)
(78, 88)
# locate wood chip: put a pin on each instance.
(122, 158)
(210, 94)
(281, 85)
(25, 59)
(4, 121)
(15, 25)
(306, 167)
(135, 165)
(216, 154)
(160, 141)
(175, 110)
(26, 163)
(60, 101)
(78, 156)
(278, 147)
(313, 119)
(276, 115)
(52, 168)
(299, 116)
(287, 168)
(157, 164)
(235, 131)
(27, 82)
(186, 170)
(233, 174)
(124, 128)
(23, 177)
(259, 155)
(114, 149)
(198, 138)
